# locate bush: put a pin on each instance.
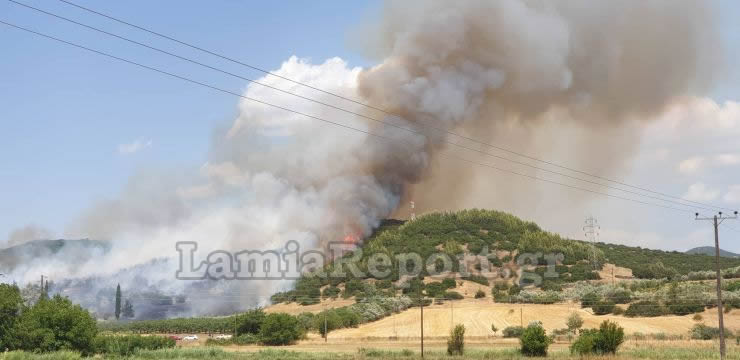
(611, 336)
(52, 325)
(478, 279)
(453, 295)
(250, 322)
(684, 306)
(603, 307)
(589, 299)
(11, 304)
(456, 342)
(480, 294)
(618, 311)
(513, 332)
(620, 296)
(585, 343)
(645, 308)
(331, 292)
(129, 344)
(704, 332)
(574, 322)
(534, 341)
(605, 340)
(279, 329)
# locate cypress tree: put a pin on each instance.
(118, 301)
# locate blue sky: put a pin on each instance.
(64, 113)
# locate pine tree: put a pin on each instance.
(128, 310)
(118, 301)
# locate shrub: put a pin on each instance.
(534, 341)
(603, 307)
(453, 295)
(331, 292)
(574, 322)
(480, 294)
(605, 340)
(448, 283)
(704, 332)
(250, 322)
(11, 304)
(456, 342)
(684, 306)
(513, 332)
(54, 324)
(618, 311)
(620, 296)
(129, 344)
(478, 279)
(279, 329)
(645, 308)
(698, 317)
(589, 299)
(501, 297)
(611, 336)
(514, 290)
(585, 343)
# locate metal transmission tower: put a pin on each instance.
(716, 221)
(591, 231)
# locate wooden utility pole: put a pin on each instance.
(421, 306)
(716, 221)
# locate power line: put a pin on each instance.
(381, 109)
(353, 112)
(328, 121)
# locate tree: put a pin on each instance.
(574, 322)
(11, 304)
(605, 340)
(118, 301)
(494, 329)
(279, 329)
(456, 342)
(534, 341)
(52, 325)
(128, 310)
(250, 322)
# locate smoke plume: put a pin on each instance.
(543, 77)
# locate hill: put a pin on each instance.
(502, 239)
(709, 250)
(79, 251)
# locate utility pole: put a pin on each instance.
(716, 221)
(413, 214)
(591, 230)
(421, 306)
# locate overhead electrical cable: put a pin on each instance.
(324, 120)
(358, 102)
(355, 113)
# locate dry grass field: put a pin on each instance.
(478, 314)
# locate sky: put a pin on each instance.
(74, 127)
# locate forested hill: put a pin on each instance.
(709, 250)
(43, 250)
(501, 237)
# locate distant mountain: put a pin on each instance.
(77, 251)
(709, 250)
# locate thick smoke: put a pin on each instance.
(568, 81)
(524, 74)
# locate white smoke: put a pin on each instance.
(520, 72)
